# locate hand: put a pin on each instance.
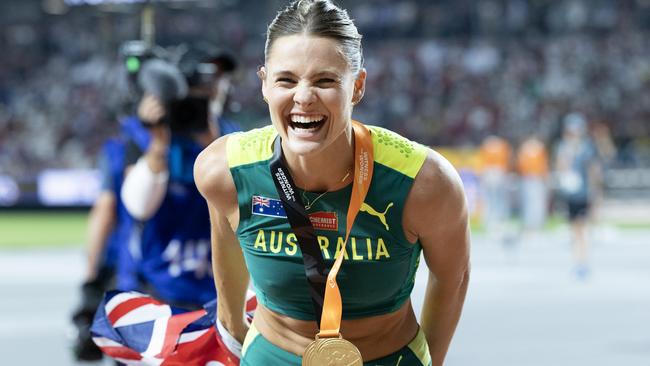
(151, 110)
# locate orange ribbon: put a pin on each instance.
(363, 165)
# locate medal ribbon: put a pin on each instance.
(330, 323)
(325, 293)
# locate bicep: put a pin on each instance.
(440, 219)
(216, 184)
(447, 255)
(446, 246)
(227, 255)
(223, 232)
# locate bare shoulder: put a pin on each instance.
(439, 180)
(213, 178)
(436, 203)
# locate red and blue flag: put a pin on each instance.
(138, 330)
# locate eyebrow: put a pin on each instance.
(331, 74)
(326, 73)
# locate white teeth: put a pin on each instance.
(306, 119)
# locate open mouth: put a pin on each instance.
(304, 123)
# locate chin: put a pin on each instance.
(304, 148)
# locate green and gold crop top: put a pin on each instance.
(379, 266)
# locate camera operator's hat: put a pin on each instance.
(202, 62)
(163, 80)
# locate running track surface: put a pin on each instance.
(524, 306)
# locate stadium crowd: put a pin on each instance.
(456, 71)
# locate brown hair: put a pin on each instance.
(320, 18)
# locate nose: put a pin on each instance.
(304, 95)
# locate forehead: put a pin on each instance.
(304, 54)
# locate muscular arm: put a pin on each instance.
(215, 183)
(436, 214)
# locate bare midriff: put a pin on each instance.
(375, 336)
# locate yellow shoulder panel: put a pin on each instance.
(397, 152)
(251, 146)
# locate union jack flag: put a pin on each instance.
(138, 330)
(261, 201)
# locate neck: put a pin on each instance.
(324, 170)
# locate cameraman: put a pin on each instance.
(108, 222)
(174, 256)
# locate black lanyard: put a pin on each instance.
(301, 225)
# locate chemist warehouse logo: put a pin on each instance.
(324, 221)
(272, 207)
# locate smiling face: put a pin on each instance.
(310, 90)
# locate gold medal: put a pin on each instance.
(331, 352)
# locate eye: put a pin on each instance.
(325, 82)
(285, 81)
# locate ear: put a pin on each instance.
(359, 86)
(261, 73)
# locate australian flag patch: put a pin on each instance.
(267, 207)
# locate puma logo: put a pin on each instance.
(381, 216)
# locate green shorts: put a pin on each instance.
(258, 351)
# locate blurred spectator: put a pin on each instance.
(456, 71)
(494, 155)
(577, 168)
(532, 165)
